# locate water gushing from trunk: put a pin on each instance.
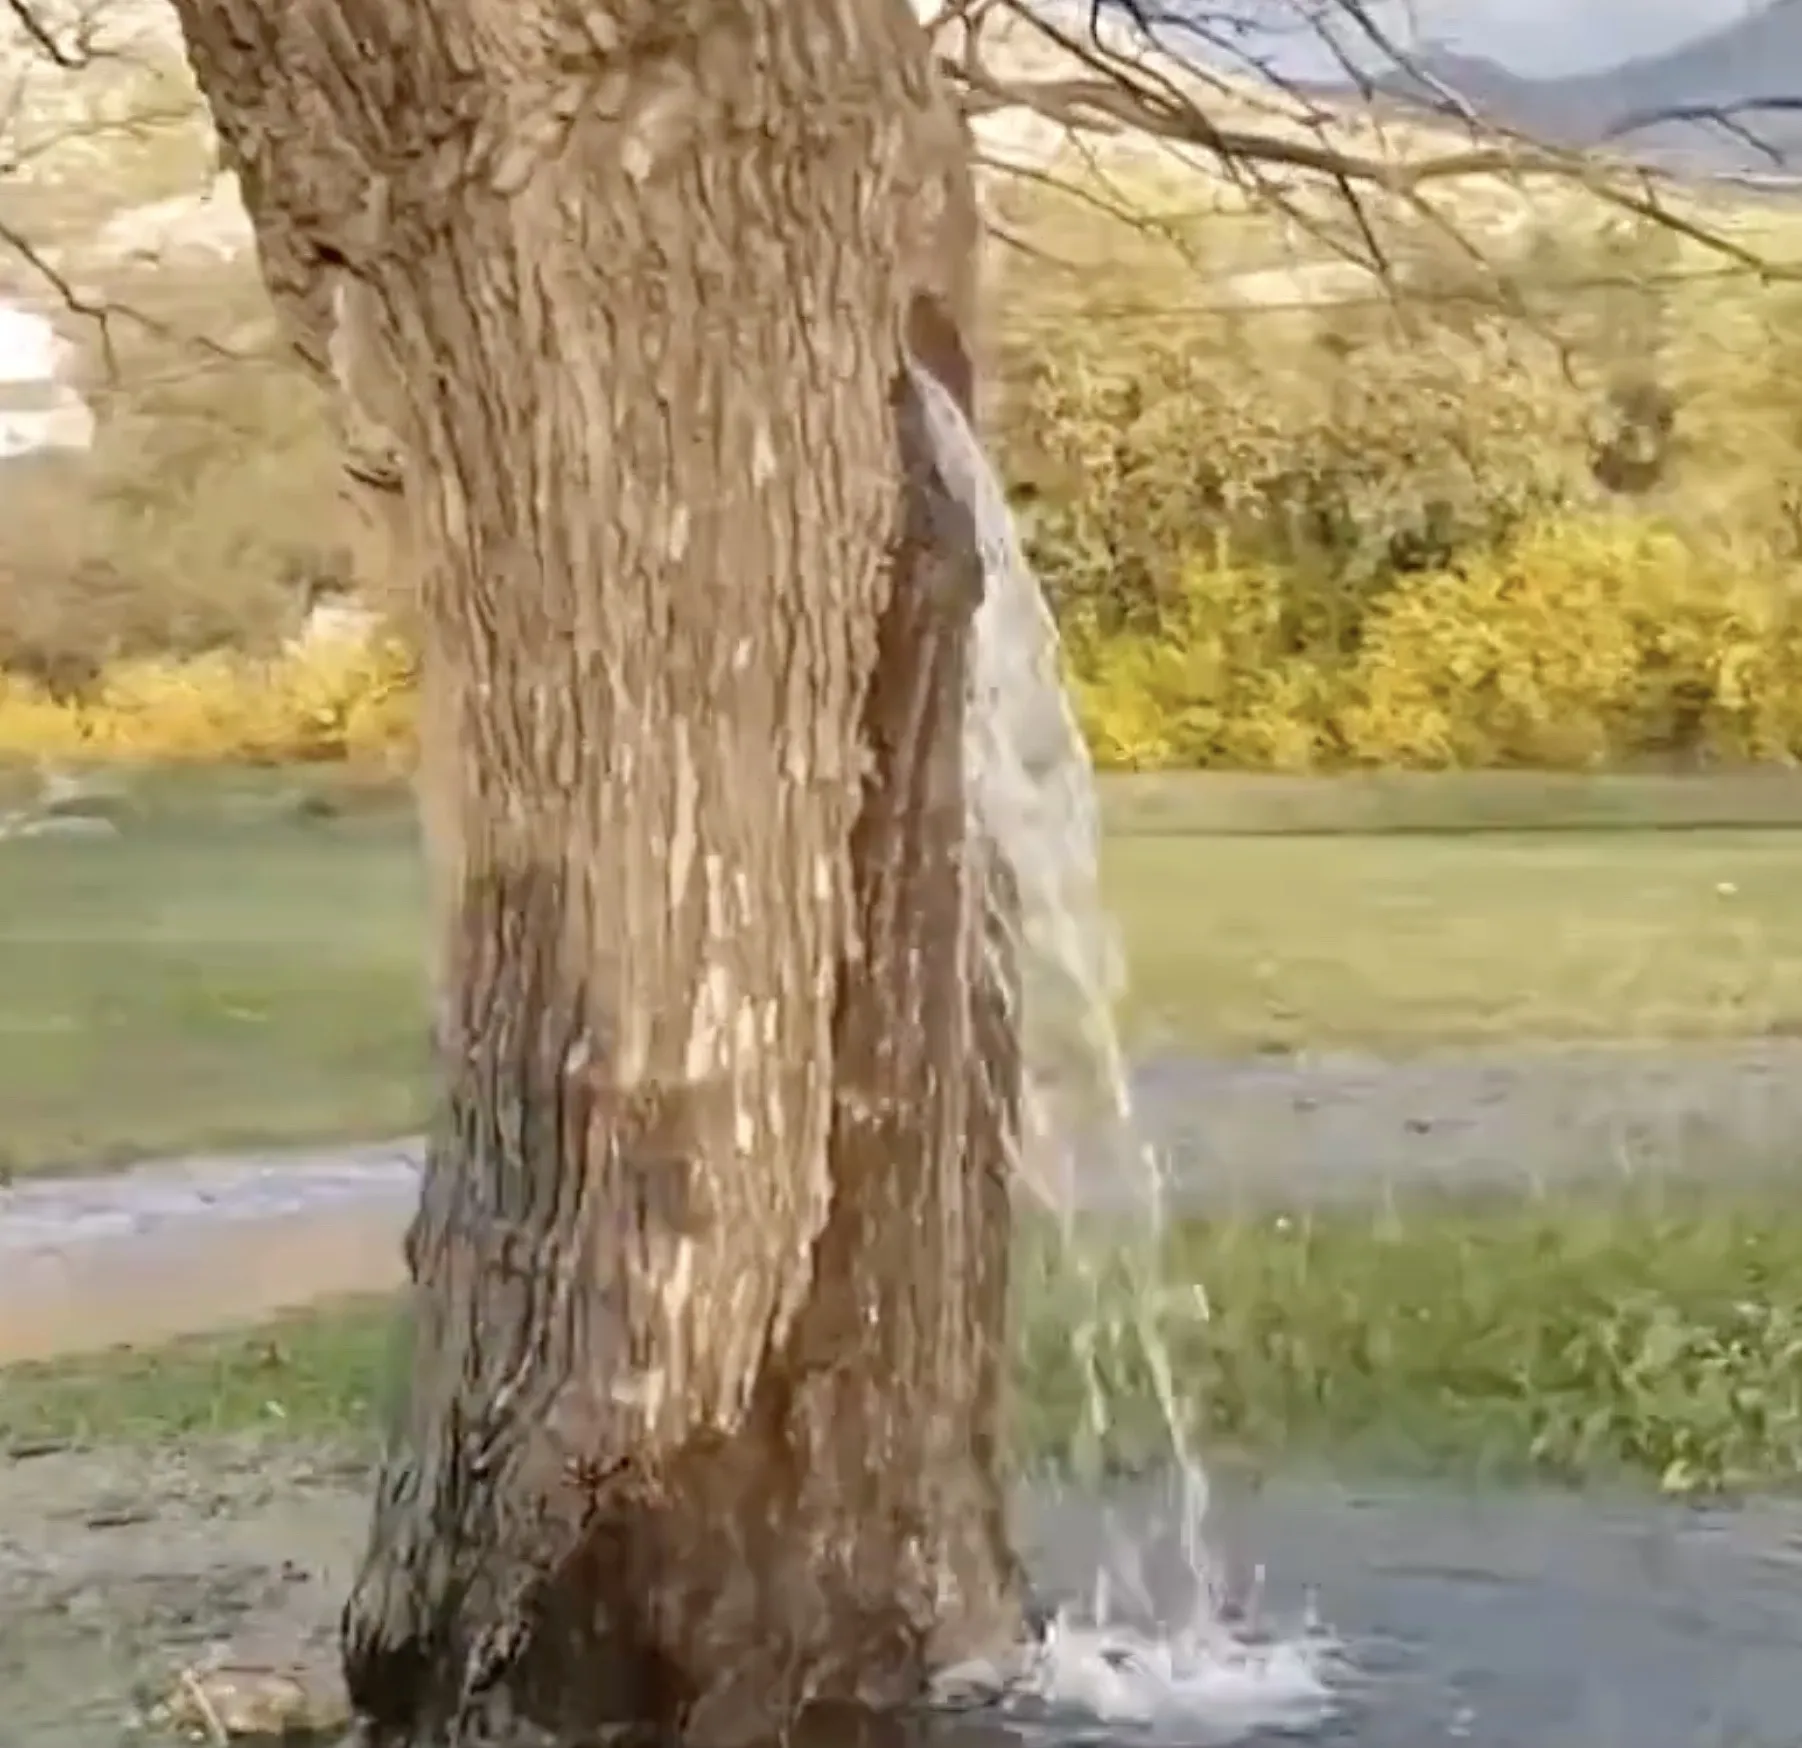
(1033, 802)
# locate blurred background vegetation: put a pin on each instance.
(1536, 502)
(1536, 510)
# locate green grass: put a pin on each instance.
(213, 977)
(1398, 942)
(1627, 1340)
(1250, 804)
(322, 1374)
(1653, 1339)
(243, 966)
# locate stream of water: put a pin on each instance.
(1187, 1664)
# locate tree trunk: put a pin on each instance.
(710, 1261)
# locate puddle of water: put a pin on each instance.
(1505, 1619)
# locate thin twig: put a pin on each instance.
(210, 1720)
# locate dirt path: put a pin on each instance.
(1342, 1126)
(185, 1246)
(173, 1248)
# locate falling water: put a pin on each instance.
(1033, 798)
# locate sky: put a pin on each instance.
(1535, 37)
(1572, 36)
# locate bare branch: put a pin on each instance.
(1096, 85)
(81, 45)
(1727, 117)
(40, 33)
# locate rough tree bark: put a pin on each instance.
(710, 1259)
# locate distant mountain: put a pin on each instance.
(1758, 57)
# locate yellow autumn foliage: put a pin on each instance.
(1279, 533)
(336, 700)
(1581, 646)
(1576, 644)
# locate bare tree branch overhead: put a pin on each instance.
(86, 90)
(1202, 78)
(1193, 82)
(1730, 118)
(72, 44)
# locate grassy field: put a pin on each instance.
(203, 983)
(1644, 1341)
(243, 962)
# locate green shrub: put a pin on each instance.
(1322, 443)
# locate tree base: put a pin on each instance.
(757, 1580)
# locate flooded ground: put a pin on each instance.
(1512, 1618)
(1500, 1622)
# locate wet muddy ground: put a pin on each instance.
(1501, 1621)
(120, 1570)
(1498, 1621)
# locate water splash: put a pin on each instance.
(1033, 798)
